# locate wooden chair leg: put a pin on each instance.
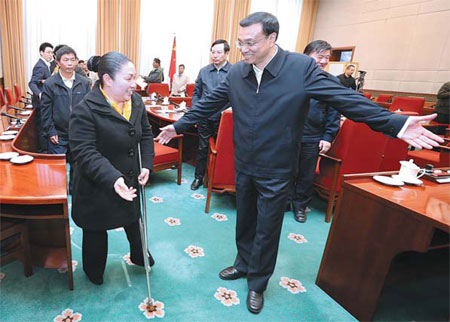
(27, 268)
(332, 196)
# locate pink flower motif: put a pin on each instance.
(127, 259)
(152, 311)
(2, 276)
(299, 239)
(71, 229)
(64, 269)
(182, 181)
(68, 316)
(197, 196)
(194, 251)
(172, 221)
(119, 229)
(226, 297)
(219, 217)
(292, 285)
(156, 199)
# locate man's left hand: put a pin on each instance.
(143, 177)
(419, 137)
(324, 146)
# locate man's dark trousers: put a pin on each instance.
(260, 210)
(206, 129)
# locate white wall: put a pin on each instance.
(402, 44)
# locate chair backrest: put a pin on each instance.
(160, 88)
(18, 93)
(408, 104)
(224, 168)
(190, 90)
(2, 98)
(9, 96)
(368, 95)
(384, 98)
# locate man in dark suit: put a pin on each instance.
(41, 71)
(270, 92)
(346, 78)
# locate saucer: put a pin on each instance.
(390, 181)
(412, 181)
(8, 155)
(11, 132)
(22, 159)
(7, 137)
(25, 113)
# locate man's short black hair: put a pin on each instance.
(64, 51)
(182, 65)
(269, 22)
(45, 45)
(350, 66)
(81, 62)
(317, 46)
(226, 46)
(157, 60)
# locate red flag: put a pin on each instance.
(173, 61)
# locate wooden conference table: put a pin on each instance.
(372, 224)
(36, 192)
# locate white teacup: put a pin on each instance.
(410, 171)
(183, 104)
(166, 100)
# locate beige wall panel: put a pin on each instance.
(402, 44)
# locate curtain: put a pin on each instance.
(288, 13)
(43, 22)
(221, 24)
(307, 22)
(241, 9)
(130, 15)
(11, 14)
(191, 21)
(107, 26)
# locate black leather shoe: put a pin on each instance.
(196, 183)
(140, 261)
(300, 215)
(255, 301)
(230, 273)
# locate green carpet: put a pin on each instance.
(187, 285)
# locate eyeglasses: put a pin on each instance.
(248, 43)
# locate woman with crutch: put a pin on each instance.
(105, 131)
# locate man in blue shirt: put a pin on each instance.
(270, 92)
(208, 78)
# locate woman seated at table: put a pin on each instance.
(104, 133)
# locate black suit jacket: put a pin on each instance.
(40, 72)
(268, 121)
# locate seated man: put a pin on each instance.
(179, 82)
(347, 79)
(157, 73)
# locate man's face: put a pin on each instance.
(349, 71)
(180, 70)
(155, 64)
(322, 58)
(218, 54)
(47, 54)
(255, 45)
(67, 63)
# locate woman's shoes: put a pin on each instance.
(140, 260)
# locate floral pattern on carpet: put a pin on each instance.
(156, 310)
(194, 251)
(219, 217)
(226, 297)
(68, 316)
(64, 269)
(292, 285)
(299, 239)
(172, 221)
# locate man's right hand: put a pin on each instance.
(167, 134)
(54, 139)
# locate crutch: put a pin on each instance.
(144, 236)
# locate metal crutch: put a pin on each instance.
(144, 236)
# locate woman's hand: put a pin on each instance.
(143, 177)
(123, 191)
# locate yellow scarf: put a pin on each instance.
(125, 111)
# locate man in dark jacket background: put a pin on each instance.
(346, 78)
(208, 78)
(41, 71)
(319, 131)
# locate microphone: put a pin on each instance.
(12, 116)
(16, 108)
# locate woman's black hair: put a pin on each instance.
(110, 63)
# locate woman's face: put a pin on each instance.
(124, 83)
